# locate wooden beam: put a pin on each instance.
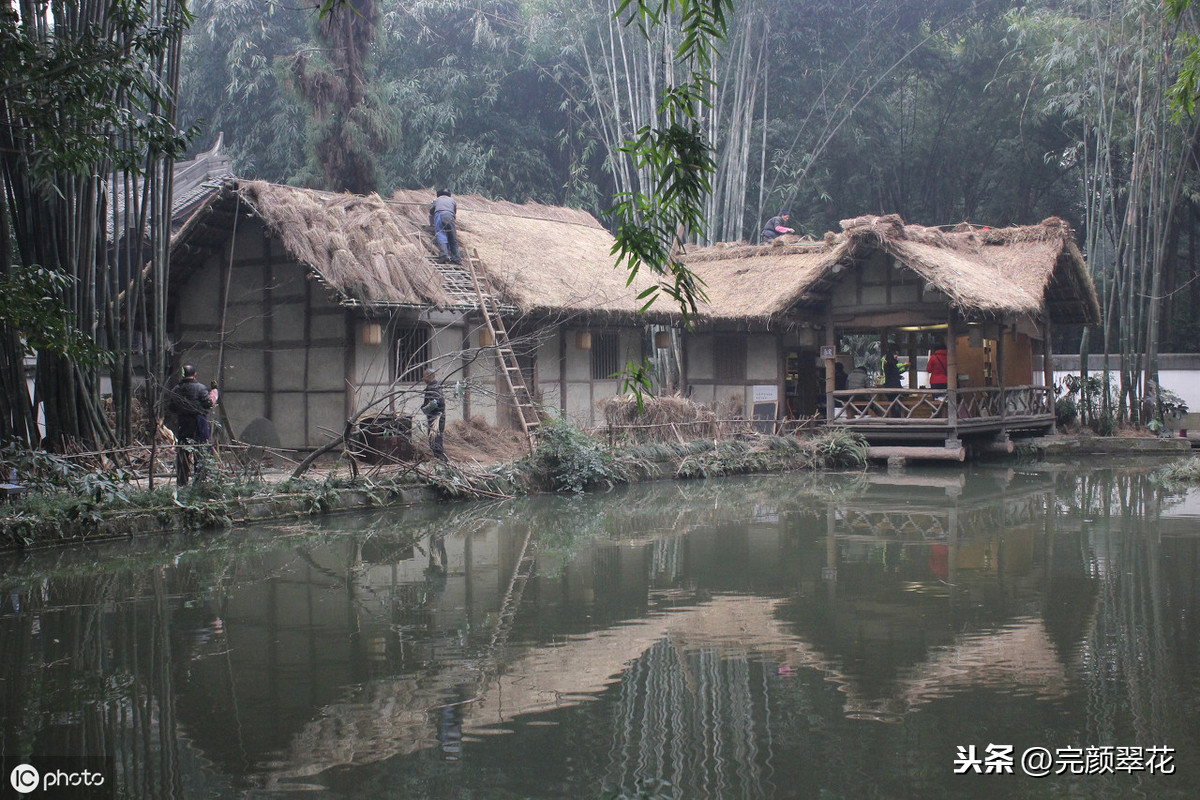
(923, 453)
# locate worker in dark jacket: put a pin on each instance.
(441, 217)
(434, 406)
(190, 400)
(777, 226)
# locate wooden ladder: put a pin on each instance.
(513, 377)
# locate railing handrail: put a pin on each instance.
(974, 402)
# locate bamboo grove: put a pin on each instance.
(87, 144)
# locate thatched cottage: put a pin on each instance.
(312, 308)
(778, 314)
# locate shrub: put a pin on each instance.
(1065, 412)
(839, 448)
(1105, 424)
(569, 459)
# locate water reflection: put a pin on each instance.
(770, 637)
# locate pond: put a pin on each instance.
(1022, 631)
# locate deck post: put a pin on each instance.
(952, 375)
(912, 360)
(1047, 351)
(830, 373)
(1000, 372)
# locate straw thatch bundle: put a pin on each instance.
(665, 418)
(543, 258)
(356, 245)
(1014, 270)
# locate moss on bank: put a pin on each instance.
(68, 504)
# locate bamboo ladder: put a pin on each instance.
(513, 377)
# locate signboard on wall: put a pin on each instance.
(827, 351)
(765, 405)
(766, 394)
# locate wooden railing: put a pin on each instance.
(916, 405)
(1021, 401)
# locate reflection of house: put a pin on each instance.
(991, 297)
(349, 656)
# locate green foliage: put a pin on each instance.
(839, 448)
(61, 89)
(676, 157)
(1092, 398)
(569, 459)
(1065, 412)
(31, 303)
(636, 379)
(1186, 88)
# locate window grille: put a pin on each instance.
(606, 355)
(412, 353)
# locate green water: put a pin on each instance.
(779, 637)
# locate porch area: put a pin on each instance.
(907, 415)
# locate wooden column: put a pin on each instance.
(464, 365)
(951, 372)
(1000, 372)
(1000, 358)
(912, 360)
(562, 370)
(830, 374)
(1047, 351)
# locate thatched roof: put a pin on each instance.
(542, 258)
(359, 246)
(982, 271)
(375, 252)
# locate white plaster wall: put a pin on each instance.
(1185, 383)
(579, 403)
(724, 394)
(699, 356)
(762, 359)
(579, 362)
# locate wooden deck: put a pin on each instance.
(937, 415)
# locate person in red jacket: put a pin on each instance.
(937, 369)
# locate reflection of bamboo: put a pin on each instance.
(1125, 658)
(689, 717)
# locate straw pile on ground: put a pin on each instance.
(660, 419)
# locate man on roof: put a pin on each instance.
(441, 219)
(777, 226)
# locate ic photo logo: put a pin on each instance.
(62, 777)
(24, 778)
